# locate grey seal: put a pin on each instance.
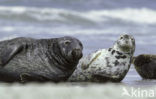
(104, 65)
(28, 59)
(145, 65)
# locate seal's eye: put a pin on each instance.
(121, 37)
(67, 42)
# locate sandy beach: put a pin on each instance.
(98, 24)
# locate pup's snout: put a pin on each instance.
(126, 42)
(77, 53)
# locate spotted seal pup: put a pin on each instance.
(145, 65)
(27, 59)
(106, 64)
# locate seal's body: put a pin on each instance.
(28, 59)
(106, 64)
(145, 65)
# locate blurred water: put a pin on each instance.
(97, 23)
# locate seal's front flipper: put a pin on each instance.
(26, 77)
(8, 52)
(88, 60)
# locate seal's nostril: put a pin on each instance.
(126, 42)
(77, 53)
(77, 50)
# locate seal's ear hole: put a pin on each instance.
(67, 42)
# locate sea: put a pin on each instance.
(97, 23)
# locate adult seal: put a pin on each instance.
(106, 64)
(145, 65)
(27, 59)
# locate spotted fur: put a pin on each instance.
(106, 64)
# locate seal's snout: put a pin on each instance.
(126, 42)
(77, 53)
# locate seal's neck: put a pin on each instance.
(122, 50)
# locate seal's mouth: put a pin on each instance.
(126, 48)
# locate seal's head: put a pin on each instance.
(125, 43)
(70, 48)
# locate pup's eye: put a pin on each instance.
(121, 37)
(67, 42)
(132, 39)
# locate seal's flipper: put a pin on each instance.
(88, 60)
(8, 53)
(26, 77)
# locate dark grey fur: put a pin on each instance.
(145, 65)
(27, 59)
